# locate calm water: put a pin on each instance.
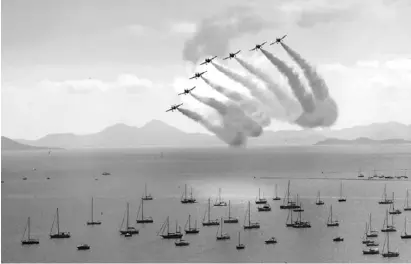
(73, 183)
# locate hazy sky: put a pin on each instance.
(80, 66)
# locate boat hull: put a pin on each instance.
(30, 242)
(94, 223)
(231, 221)
(388, 230)
(144, 221)
(390, 254)
(252, 227)
(276, 199)
(132, 232)
(172, 236)
(241, 246)
(407, 236)
(289, 206)
(333, 224)
(83, 247)
(188, 201)
(211, 223)
(193, 231)
(60, 235)
(374, 252)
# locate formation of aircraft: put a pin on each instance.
(187, 91)
(258, 46)
(231, 55)
(208, 60)
(278, 40)
(198, 75)
(174, 107)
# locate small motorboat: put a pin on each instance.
(181, 243)
(338, 239)
(106, 173)
(264, 208)
(271, 240)
(83, 247)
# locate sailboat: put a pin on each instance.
(407, 206)
(169, 235)
(92, 222)
(405, 235)
(59, 234)
(185, 199)
(360, 174)
(330, 221)
(300, 209)
(386, 226)
(341, 199)
(394, 211)
(319, 201)
(300, 223)
(288, 203)
(384, 199)
(370, 232)
(260, 200)
(146, 196)
(276, 198)
(388, 253)
(127, 230)
(143, 220)
(239, 246)
(222, 236)
(289, 222)
(191, 230)
(230, 219)
(265, 208)
(248, 224)
(219, 201)
(28, 240)
(209, 222)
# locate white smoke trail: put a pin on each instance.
(305, 99)
(250, 106)
(230, 136)
(317, 83)
(232, 115)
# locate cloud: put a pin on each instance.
(127, 82)
(399, 64)
(184, 28)
(324, 15)
(137, 29)
(214, 33)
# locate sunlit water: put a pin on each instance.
(73, 182)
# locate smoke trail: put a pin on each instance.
(231, 137)
(324, 115)
(305, 99)
(250, 106)
(273, 87)
(318, 85)
(232, 115)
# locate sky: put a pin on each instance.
(78, 66)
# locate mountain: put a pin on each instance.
(8, 144)
(363, 141)
(157, 133)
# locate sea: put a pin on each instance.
(76, 177)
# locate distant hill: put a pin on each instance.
(363, 141)
(8, 144)
(157, 133)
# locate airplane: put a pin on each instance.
(208, 60)
(258, 46)
(174, 107)
(187, 91)
(278, 40)
(232, 55)
(197, 75)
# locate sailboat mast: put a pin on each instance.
(221, 229)
(229, 209)
(259, 194)
(185, 191)
(209, 208)
(58, 222)
(189, 222)
(249, 214)
(91, 209)
(142, 209)
(238, 237)
(370, 223)
(127, 217)
(28, 227)
(288, 192)
(331, 208)
(276, 190)
(145, 190)
(168, 225)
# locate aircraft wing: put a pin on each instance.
(263, 43)
(226, 58)
(284, 36)
(177, 106)
(203, 72)
(180, 93)
(213, 58)
(169, 110)
(253, 49)
(237, 52)
(203, 63)
(192, 89)
(192, 77)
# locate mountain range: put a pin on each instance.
(8, 144)
(363, 141)
(157, 133)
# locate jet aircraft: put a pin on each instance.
(174, 107)
(258, 46)
(187, 91)
(278, 40)
(197, 75)
(208, 60)
(232, 55)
